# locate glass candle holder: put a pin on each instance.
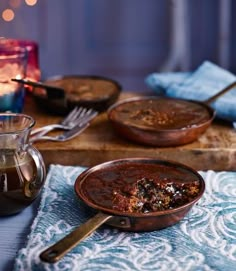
(13, 63)
(33, 72)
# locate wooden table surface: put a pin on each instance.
(215, 149)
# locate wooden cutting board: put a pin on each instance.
(215, 149)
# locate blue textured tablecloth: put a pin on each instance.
(204, 240)
(207, 80)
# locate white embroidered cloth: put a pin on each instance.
(204, 240)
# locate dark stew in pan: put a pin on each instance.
(136, 188)
(161, 114)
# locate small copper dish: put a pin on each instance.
(99, 186)
(95, 92)
(160, 121)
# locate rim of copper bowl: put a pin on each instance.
(150, 129)
(80, 179)
(118, 86)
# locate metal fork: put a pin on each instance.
(67, 123)
(83, 123)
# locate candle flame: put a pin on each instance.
(18, 76)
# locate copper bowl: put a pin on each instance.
(94, 187)
(89, 91)
(101, 179)
(160, 121)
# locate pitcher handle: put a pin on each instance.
(31, 189)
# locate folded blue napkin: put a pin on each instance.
(207, 80)
(204, 240)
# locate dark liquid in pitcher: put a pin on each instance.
(18, 186)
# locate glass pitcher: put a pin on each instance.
(22, 169)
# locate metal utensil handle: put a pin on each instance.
(58, 250)
(47, 128)
(223, 91)
(69, 134)
(52, 91)
(34, 84)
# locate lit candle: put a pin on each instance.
(12, 65)
(33, 72)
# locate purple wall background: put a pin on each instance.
(126, 39)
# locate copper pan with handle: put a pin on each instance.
(163, 121)
(94, 187)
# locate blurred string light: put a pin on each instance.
(15, 3)
(31, 2)
(8, 14)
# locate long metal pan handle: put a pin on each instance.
(223, 91)
(52, 91)
(58, 250)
